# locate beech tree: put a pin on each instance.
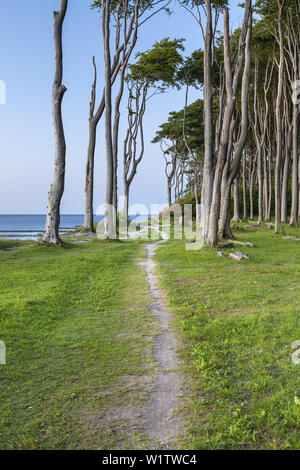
(56, 191)
(154, 71)
(232, 83)
(127, 17)
(182, 143)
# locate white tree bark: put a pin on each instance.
(278, 122)
(109, 222)
(56, 191)
(207, 184)
(224, 229)
(231, 92)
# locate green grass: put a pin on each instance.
(76, 327)
(236, 322)
(4, 243)
(79, 336)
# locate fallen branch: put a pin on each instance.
(256, 226)
(292, 237)
(238, 256)
(243, 255)
(242, 243)
(225, 245)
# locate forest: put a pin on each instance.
(154, 332)
(240, 137)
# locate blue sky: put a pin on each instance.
(26, 128)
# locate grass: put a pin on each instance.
(76, 327)
(78, 334)
(236, 322)
(5, 243)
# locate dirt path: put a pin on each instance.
(162, 425)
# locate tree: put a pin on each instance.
(233, 166)
(154, 71)
(128, 16)
(212, 11)
(182, 143)
(232, 83)
(56, 191)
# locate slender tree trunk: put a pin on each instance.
(126, 196)
(93, 124)
(212, 239)
(56, 191)
(260, 185)
(109, 216)
(265, 187)
(207, 184)
(89, 174)
(251, 184)
(231, 91)
(126, 57)
(169, 193)
(244, 190)
(278, 123)
(295, 180)
(251, 199)
(285, 178)
(196, 192)
(299, 184)
(224, 229)
(269, 179)
(236, 206)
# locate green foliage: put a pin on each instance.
(216, 4)
(192, 70)
(118, 6)
(159, 65)
(194, 128)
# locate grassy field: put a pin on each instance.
(4, 244)
(76, 327)
(79, 336)
(236, 322)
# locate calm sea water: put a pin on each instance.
(30, 226)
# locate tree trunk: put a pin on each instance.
(109, 216)
(251, 184)
(295, 181)
(88, 224)
(265, 187)
(212, 238)
(278, 123)
(207, 184)
(236, 207)
(260, 185)
(196, 192)
(231, 91)
(224, 229)
(244, 190)
(285, 178)
(125, 59)
(56, 191)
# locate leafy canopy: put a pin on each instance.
(159, 64)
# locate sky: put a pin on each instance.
(27, 68)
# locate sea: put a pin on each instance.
(31, 227)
